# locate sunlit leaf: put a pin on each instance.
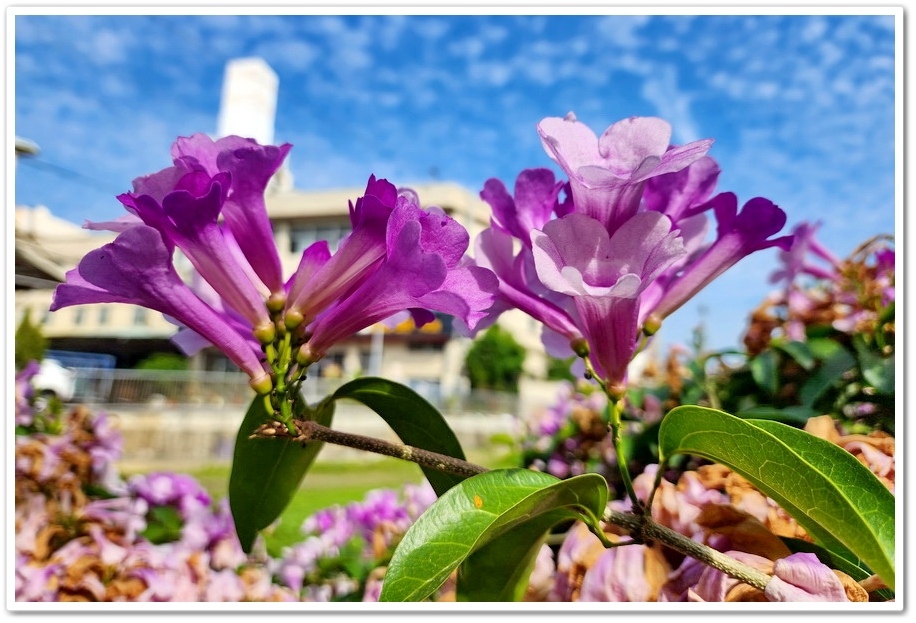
(835, 498)
(476, 513)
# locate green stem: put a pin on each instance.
(617, 439)
(615, 425)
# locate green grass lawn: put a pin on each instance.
(327, 484)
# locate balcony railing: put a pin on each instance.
(101, 386)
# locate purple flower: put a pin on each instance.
(534, 203)
(137, 268)
(738, 235)
(251, 167)
(520, 289)
(25, 414)
(802, 577)
(185, 209)
(620, 575)
(321, 278)
(607, 174)
(605, 275)
(418, 264)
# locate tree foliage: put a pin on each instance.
(31, 343)
(495, 361)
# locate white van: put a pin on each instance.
(54, 379)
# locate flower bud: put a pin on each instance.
(265, 333)
(652, 324)
(580, 347)
(276, 302)
(293, 318)
(262, 385)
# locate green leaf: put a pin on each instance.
(800, 352)
(877, 371)
(163, 525)
(413, 419)
(835, 498)
(267, 472)
(764, 369)
(836, 361)
(510, 558)
(479, 511)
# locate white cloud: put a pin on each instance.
(431, 29)
(621, 31)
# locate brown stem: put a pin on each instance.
(312, 431)
(640, 526)
(644, 529)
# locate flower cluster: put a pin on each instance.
(821, 290)
(85, 534)
(210, 206)
(625, 247)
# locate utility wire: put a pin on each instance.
(69, 174)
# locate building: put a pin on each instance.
(430, 358)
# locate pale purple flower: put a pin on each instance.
(607, 174)
(618, 575)
(605, 274)
(802, 577)
(137, 268)
(520, 289)
(25, 414)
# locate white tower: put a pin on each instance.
(248, 107)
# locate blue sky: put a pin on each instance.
(802, 108)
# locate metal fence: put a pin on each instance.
(220, 389)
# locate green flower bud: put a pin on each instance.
(265, 333)
(580, 347)
(652, 324)
(262, 385)
(276, 302)
(293, 318)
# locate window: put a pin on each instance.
(140, 315)
(79, 316)
(304, 235)
(103, 315)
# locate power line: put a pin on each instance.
(69, 174)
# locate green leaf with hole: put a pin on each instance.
(267, 472)
(835, 498)
(478, 512)
(413, 419)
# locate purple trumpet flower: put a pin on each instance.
(322, 278)
(605, 275)
(251, 167)
(608, 174)
(738, 235)
(136, 268)
(186, 217)
(423, 268)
